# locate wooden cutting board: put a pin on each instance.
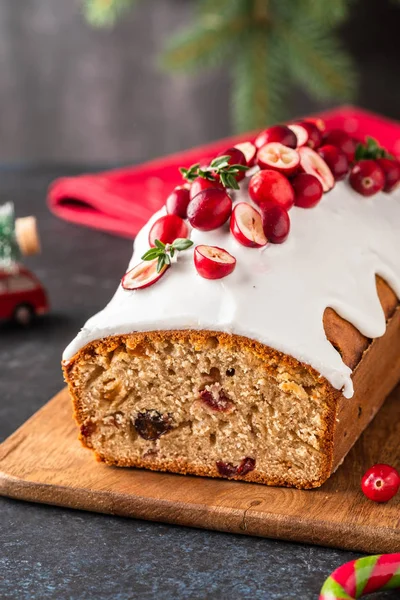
(44, 462)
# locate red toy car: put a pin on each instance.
(22, 296)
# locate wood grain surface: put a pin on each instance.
(44, 462)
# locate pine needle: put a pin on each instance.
(105, 13)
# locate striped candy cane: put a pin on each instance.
(363, 576)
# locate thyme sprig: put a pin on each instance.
(219, 168)
(371, 150)
(164, 252)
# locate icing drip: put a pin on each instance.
(277, 294)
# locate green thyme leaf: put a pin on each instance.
(220, 161)
(159, 244)
(161, 262)
(182, 244)
(152, 254)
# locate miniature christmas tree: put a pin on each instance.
(268, 46)
(9, 250)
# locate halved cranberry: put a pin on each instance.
(152, 424)
(277, 133)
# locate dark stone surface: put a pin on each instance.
(48, 552)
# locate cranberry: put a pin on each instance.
(216, 399)
(152, 424)
(212, 262)
(391, 169)
(246, 226)
(178, 200)
(278, 157)
(276, 223)
(209, 209)
(249, 150)
(200, 184)
(143, 275)
(278, 133)
(314, 164)
(314, 135)
(237, 157)
(367, 177)
(229, 470)
(342, 140)
(380, 483)
(270, 186)
(307, 189)
(167, 229)
(336, 161)
(88, 428)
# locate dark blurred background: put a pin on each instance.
(70, 93)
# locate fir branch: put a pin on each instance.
(9, 250)
(315, 60)
(371, 150)
(164, 252)
(105, 13)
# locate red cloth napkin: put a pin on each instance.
(121, 201)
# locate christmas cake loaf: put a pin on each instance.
(256, 332)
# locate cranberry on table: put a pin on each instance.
(367, 177)
(391, 169)
(380, 483)
(277, 133)
(336, 160)
(178, 200)
(246, 226)
(342, 140)
(209, 209)
(200, 184)
(307, 189)
(167, 229)
(278, 157)
(213, 262)
(270, 186)
(276, 223)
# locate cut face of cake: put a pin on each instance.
(257, 337)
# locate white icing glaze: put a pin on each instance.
(277, 294)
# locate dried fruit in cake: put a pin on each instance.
(178, 200)
(151, 424)
(314, 164)
(227, 469)
(270, 186)
(307, 189)
(167, 229)
(278, 157)
(249, 150)
(367, 177)
(342, 140)
(336, 161)
(277, 133)
(215, 398)
(209, 209)
(380, 483)
(246, 226)
(143, 275)
(391, 169)
(212, 262)
(276, 223)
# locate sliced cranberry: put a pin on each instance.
(152, 424)
(216, 399)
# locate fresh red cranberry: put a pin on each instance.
(237, 157)
(216, 399)
(367, 177)
(178, 200)
(167, 229)
(391, 168)
(336, 161)
(152, 424)
(277, 133)
(209, 209)
(246, 226)
(278, 157)
(212, 262)
(342, 140)
(307, 189)
(270, 186)
(314, 135)
(380, 483)
(276, 223)
(200, 184)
